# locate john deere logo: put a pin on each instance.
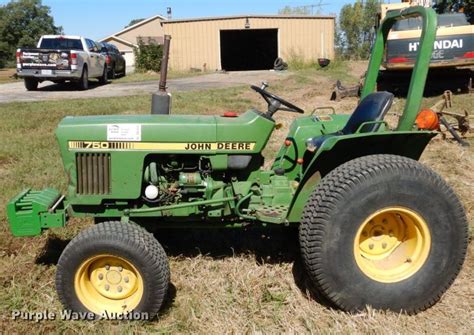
(219, 146)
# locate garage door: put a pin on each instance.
(248, 49)
(129, 58)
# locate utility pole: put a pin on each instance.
(311, 7)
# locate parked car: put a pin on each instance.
(60, 58)
(114, 59)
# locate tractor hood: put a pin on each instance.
(248, 132)
(117, 146)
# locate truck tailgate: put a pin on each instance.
(45, 59)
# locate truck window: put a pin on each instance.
(61, 43)
(90, 44)
(98, 46)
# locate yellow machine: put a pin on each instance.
(452, 56)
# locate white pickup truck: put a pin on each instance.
(59, 58)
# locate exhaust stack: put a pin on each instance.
(161, 100)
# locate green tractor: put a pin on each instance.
(376, 227)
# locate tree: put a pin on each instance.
(287, 10)
(356, 29)
(22, 23)
(134, 21)
(454, 6)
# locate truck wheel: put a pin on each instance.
(383, 231)
(112, 74)
(113, 267)
(83, 83)
(103, 79)
(31, 84)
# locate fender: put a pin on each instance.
(337, 150)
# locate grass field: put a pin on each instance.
(248, 281)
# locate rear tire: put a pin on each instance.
(31, 84)
(114, 267)
(383, 231)
(83, 83)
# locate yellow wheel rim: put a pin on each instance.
(106, 283)
(392, 244)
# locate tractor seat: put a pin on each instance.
(372, 108)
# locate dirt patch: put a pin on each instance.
(7, 76)
(357, 68)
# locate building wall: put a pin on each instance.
(152, 28)
(195, 43)
(121, 46)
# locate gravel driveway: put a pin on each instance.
(15, 92)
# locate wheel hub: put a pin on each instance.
(108, 283)
(381, 236)
(392, 244)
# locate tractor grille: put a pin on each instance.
(93, 173)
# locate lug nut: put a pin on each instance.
(371, 246)
(101, 276)
(384, 245)
(119, 288)
(107, 267)
(120, 268)
(125, 279)
(390, 232)
(107, 287)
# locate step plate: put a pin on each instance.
(272, 214)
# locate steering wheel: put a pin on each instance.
(274, 102)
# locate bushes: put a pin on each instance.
(148, 56)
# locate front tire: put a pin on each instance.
(104, 79)
(31, 84)
(383, 231)
(112, 74)
(113, 267)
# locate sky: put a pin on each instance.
(100, 18)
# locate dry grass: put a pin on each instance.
(251, 281)
(6, 76)
(150, 76)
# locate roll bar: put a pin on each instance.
(420, 71)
